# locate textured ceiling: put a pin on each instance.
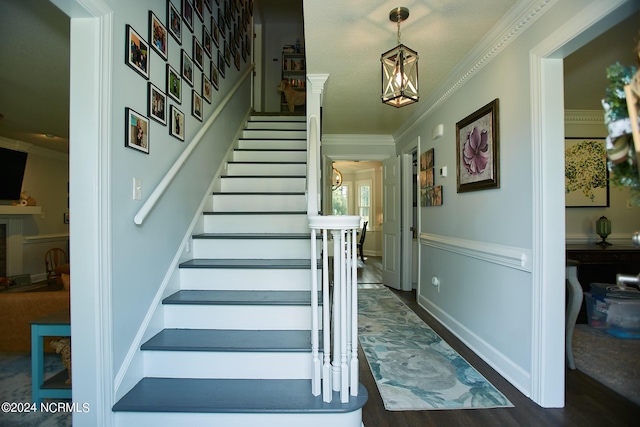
(343, 38)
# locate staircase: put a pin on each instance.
(236, 348)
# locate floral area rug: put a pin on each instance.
(15, 387)
(413, 367)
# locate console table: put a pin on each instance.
(56, 324)
(599, 264)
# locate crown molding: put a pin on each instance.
(338, 139)
(518, 19)
(584, 117)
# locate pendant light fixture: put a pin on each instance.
(399, 69)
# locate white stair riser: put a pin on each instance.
(240, 169)
(263, 184)
(170, 419)
(275, 223)
(259, 202)
(269, 156)
(246, 279)
(184, 316)
(278, 118)
(274, 134)
(275, 144)
(227, 364)
(252, 248)
(277, 125)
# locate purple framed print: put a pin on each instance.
(477, 150)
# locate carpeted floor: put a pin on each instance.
(413, 367)
(15, 387)
(612, 361)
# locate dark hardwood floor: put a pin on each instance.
(588, 403)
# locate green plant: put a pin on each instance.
(615, 102)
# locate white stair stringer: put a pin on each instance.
(236, 348)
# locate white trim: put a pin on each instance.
(44, 238)
(547, 122)
(584, 117)
(507, 256)
(520, 17)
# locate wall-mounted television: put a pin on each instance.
(12, 164)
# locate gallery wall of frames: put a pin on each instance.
(212, 36)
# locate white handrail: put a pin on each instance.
(180, 161)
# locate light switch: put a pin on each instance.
(137, 189)
(443, 171)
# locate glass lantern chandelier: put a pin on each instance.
(399, 69)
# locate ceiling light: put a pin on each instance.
(49, 135)
(399, 69)
(336, 179)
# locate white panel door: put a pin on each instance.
(391, 222)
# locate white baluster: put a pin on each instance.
(354, 316)
(327, 390)
(336, 320)
(316, 375)
(344, 369)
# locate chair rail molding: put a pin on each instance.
(507, 256)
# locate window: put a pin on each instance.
(340, 201)
(364, 201)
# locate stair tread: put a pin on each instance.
(267, 162)
(230, 297)
(263, 176)
(254, 236)
(247, 263)
(232, 396)
(226, 340)
(271, 149)
(259, 193)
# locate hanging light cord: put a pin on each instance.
(399, 19)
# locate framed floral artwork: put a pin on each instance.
(586, 175)
(477, 150)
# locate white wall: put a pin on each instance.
(581, 222)
(473, 243)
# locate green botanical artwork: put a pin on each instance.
(586, 173)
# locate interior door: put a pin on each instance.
(391, 222)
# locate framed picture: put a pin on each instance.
(137, 53)
(477, 150)
(586, 173)
(158, 35)
(207, 90)
(174, 22)
(187, 13)
(196, 105)
(198, 53)
(176, 125)
(209, 4)
(136, 131)
(187, 68)
(220, 64)
(157, 109)
(214, 75)
(216, 32)
(430, 195)
(207, 43)
(174, 84)
(199, 7)
(227, 54)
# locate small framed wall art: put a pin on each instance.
(477, 150)
(137, 53)
(157, 108)
(176, 127)
(136, 131)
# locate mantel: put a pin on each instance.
(20, 210)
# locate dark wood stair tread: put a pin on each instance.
(227, 340)
(203, 395)
(210, 297)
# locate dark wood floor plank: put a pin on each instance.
(588, 403)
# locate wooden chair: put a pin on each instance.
(53, 259)
(363, 234)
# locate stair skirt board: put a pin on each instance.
(266, 168)
(238, 317)
(245, 365)
(251, 222)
